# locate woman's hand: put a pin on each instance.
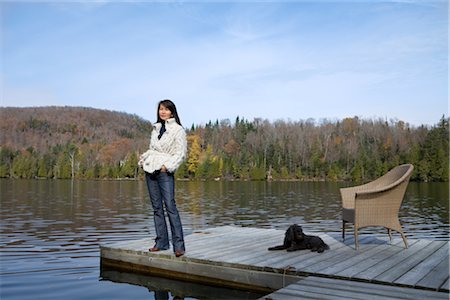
(141, 162)
(163, 169)
(142, 159)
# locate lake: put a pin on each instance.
(51, 229)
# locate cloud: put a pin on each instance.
(220, 60)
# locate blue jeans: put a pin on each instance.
(161, 188)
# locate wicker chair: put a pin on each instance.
(376, 203)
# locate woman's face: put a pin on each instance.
(164, 113)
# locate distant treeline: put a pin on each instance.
(86, 143)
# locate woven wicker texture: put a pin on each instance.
(376, 203)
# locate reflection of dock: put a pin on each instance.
(237, 257)
(162, 287)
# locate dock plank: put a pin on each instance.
(326, 288)
(371, 262)
(354, 260)
(328, 292)
(304, 292)
(436, 276)
(404, 266)
(217, 246)
(389, 260)
(419, 271)
(341, 255)
(329, 258)
(307, 257)
(209, 241)
(350, 262)
(445, 286)
(238, 256)
(247, 256)
(241, 245)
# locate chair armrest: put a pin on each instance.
(348, 196)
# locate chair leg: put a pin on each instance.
(404, 240)
(356, 239)
(343, 230)
(390, 234)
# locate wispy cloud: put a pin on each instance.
(294, 59)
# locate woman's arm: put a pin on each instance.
(178, 151)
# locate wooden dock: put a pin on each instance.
(237, 257)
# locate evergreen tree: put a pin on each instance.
(6, 160)
(62, 168)
(129, 168)
(351, 149)
(42, 168)
(436, 153)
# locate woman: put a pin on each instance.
(166, 152)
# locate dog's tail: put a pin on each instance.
(323, 247)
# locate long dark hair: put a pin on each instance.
(170, 106)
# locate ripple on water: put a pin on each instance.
(49, 239)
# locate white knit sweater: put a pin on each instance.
(169, 151)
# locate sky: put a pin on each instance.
(217, 60)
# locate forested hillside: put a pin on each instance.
(348, 149)
(71, 142)
(51, 142)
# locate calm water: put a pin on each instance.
(51, 230)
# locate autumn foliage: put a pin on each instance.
(70, 142)
(78, 142)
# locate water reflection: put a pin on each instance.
(262, 204)
(315, 205)
(163, 289)
(51, 229)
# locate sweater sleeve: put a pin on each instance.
(179, 151)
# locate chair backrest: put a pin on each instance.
(394, 177)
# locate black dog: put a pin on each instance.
(295, 239)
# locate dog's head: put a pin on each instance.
(296, 232)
